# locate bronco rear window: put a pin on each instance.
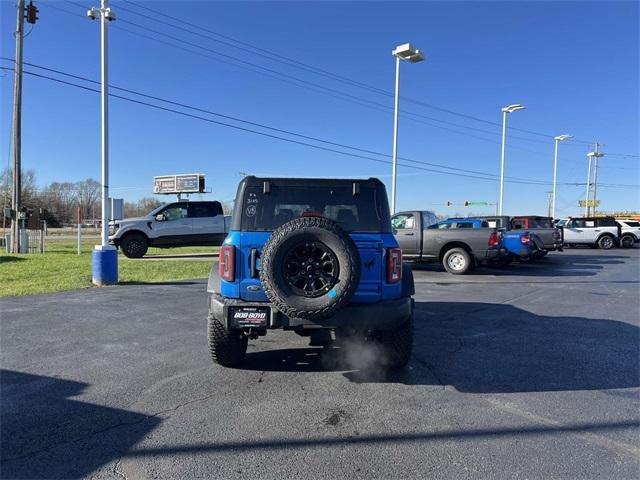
(354, 213)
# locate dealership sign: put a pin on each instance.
(173, 184)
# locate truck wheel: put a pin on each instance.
(627, 241)
(134, 245)
(227, 347)
(310, 268)
(606, 242)
(397, 344)
(457, 261)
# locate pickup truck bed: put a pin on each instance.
(547, 237)
(459, 249)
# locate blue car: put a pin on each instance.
(313, 256)
(522, 246)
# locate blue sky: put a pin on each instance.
(573, 64)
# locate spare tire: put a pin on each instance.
(310, 268)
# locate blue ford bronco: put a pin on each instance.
(314, 256)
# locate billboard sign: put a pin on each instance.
(175, 184)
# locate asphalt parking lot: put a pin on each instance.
(527, 372)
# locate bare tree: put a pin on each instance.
(61, 200)
(141, 207)
(29, 193)
(88, 194)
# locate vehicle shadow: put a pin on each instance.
(8, 259)
(167, 282)
(540, 268)
(46, 434)
(490, 348)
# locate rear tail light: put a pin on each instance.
(494, 239)
(525, 239)
(227, 262)
(394, 265)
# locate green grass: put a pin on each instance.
(60, 268)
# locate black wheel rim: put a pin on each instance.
(134, 246)
(311, 269)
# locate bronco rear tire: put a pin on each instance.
(227, 347)
(310, 268)
(398, 344)
(134, 245)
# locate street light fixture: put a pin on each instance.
(410, 54)
(557, 139)
(505, 110)
(105, 256)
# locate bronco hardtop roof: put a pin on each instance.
(367, 197)
(301, 181)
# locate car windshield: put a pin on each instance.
(265, 212)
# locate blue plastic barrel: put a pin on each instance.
(105, 266)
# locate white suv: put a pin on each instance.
(630, 232)
(601, 232)
(171, 225)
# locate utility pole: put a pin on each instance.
(586, 202)
(595, 155)
(550, 203)
(31, 14)
(17, 131)
(595, 177)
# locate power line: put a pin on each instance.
(288, 132)
(270, 55)
(288, 139)
(304, 66)
(267, 134)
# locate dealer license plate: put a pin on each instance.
(249, 316)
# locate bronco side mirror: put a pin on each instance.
(160, 217)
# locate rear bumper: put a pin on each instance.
(386, 315)
(494, 254)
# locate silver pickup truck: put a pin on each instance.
(459, 245)
(175, 224)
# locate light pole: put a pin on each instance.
(413, 55)
(105, 256)
(505, 110)
(558, 139)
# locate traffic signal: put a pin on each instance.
(449, 204)
(32, 13)
(467, 203)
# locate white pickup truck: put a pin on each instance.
(597, 232)
(175, 224)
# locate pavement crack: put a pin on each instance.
(119, 472)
